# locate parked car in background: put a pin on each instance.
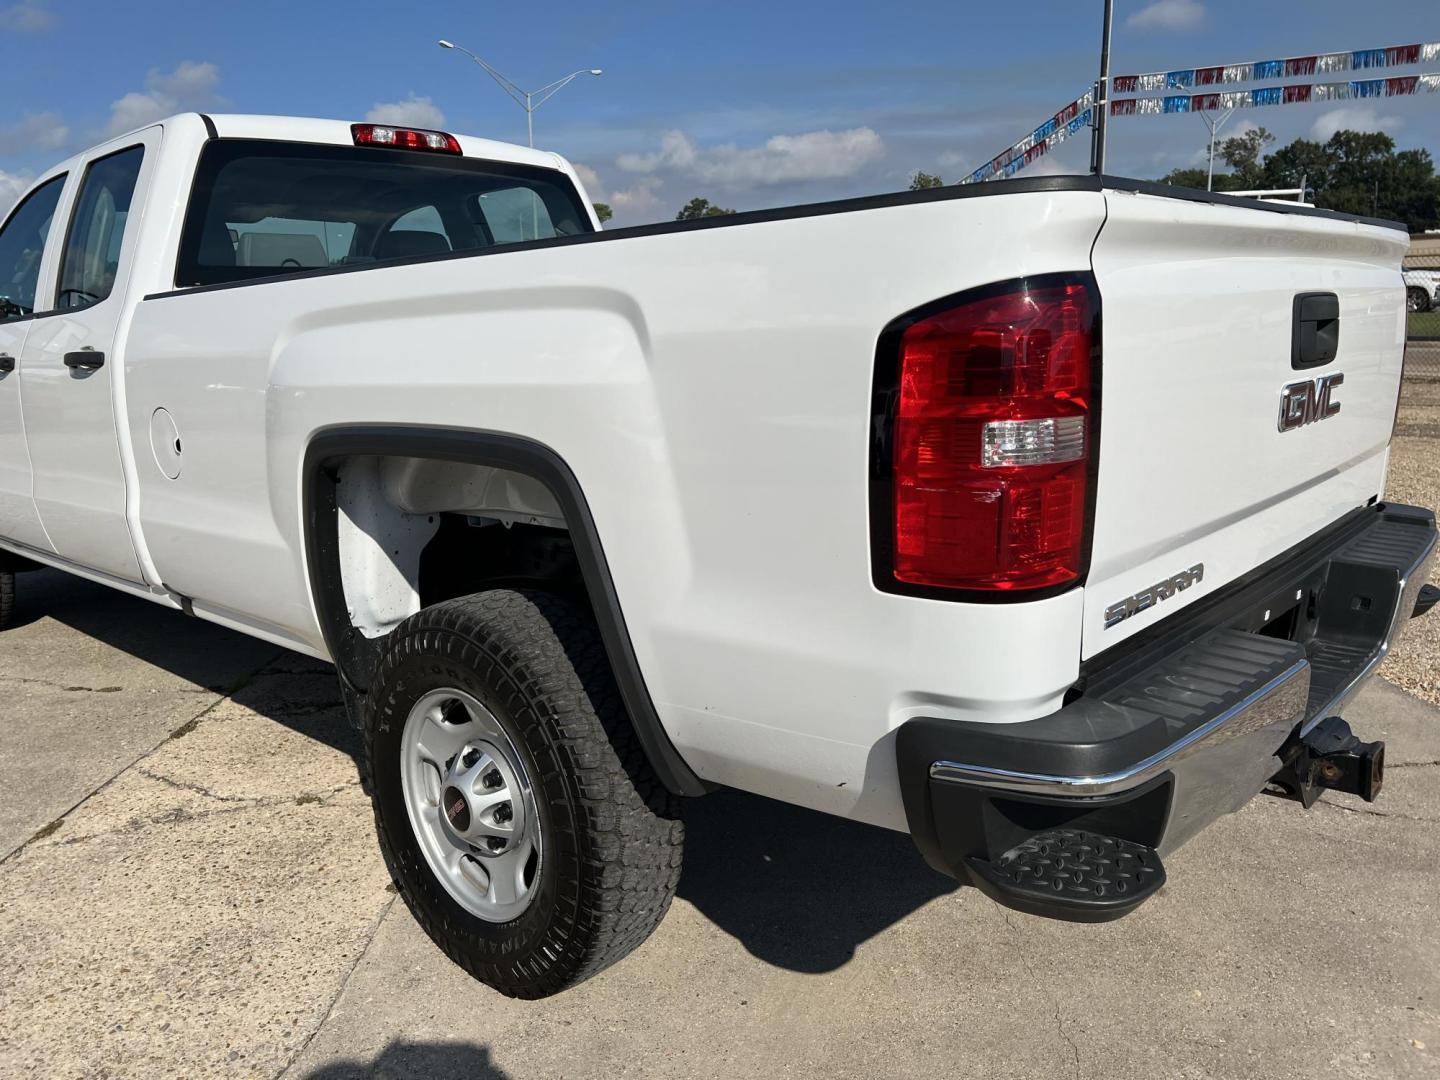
(1422, 289)
(1042, 519)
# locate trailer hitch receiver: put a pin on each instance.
(1329, 757)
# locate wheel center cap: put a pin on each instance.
(457, 810)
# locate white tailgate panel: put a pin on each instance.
(1197, 309)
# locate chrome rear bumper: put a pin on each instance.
(1188, 722)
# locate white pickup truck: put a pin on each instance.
(1040, 519)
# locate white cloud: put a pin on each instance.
(27, 17)
(814, 155)
(1048, 166)
(641, 198)
(37, 131)
(1168, 15)
(1352, 118)
(591, 179)
(416, 110)
(12, 186)
(192, 85)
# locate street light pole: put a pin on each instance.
(529, 100)
(1214, 126)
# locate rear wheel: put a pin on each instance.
(1417, 300)
(516, 810)
(7, 599)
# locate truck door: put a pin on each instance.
(70, 369)
(22, 246)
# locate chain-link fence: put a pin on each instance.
(1422, 302)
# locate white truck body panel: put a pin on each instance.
(1198, 332)
(710, 390)
(687, 436)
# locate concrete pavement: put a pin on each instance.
(215, 906)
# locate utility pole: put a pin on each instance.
(1102, 95)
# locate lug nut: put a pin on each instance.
(494, 843)
(492, 779)
(503, 813)
(470, 757)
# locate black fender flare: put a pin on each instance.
(355, 656)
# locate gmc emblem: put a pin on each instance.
(1308, 401)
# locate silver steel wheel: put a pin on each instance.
(471, 805)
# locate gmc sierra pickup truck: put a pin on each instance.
(1042, 520)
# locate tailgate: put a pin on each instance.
(1200, 315)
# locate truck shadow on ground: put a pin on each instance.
(798, 889)
(402, 1060)
(196, 651)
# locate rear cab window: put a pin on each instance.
(261, 209)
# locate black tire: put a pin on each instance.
(612, 834)
(1417, 300)
(7, 599)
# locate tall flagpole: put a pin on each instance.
(1102, 95)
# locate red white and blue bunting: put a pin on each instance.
(1277, 95)
(1080, 112)
(1266, 70)
(1072, 118)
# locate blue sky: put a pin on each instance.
(750, 104)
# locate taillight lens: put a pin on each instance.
(402, 138)
(993, 432)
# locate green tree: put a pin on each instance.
(924, 181)
(1411, 191)
(1303, 162)
(1198, 176)
(603, 211)
(698, 208)
(1367, 176)
(1355, 172)
(1243, 154)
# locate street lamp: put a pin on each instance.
(1213, 125)
(529, 100)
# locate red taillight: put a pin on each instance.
(993, 432)
(403, 138)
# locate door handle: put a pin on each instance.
(1315, 337)
(7, 365)
(87, 359)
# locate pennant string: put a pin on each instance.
(1038, 143)
(1289, 68)
(1397, 86)
(1078, 114)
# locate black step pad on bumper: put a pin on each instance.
(1371, 591)
(1071, 874)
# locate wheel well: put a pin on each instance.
(470, 553)
(397, 518)
(413, 532)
